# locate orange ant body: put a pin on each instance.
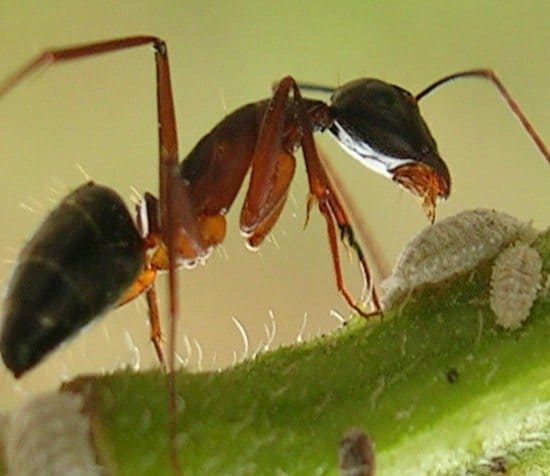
(377, 123)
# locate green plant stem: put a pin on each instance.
(438, 387)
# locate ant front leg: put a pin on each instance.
(272, 170)
(273, 167)
(333, 211)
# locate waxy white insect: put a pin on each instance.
(451, 246)
(50, 435)
(515, 280)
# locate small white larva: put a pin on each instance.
(515, 280)
(451, 246)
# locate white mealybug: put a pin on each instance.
(50, 435)
(515, 281)
(451, 246)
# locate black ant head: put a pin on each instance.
(380, 125)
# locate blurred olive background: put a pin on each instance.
(100, 113)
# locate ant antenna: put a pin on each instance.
(316, 88)
(491, 76)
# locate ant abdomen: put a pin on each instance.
(79, 262)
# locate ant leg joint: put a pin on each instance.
(47, 57)
(160, 47)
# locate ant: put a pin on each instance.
(89, 256)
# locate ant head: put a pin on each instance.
(380, 125)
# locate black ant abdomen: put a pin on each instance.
(78, 264)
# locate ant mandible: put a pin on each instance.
(60, 283)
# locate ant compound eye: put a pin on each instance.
(384, 99)
(515, 280)
(452, 246)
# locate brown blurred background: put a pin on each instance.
(100, 113)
